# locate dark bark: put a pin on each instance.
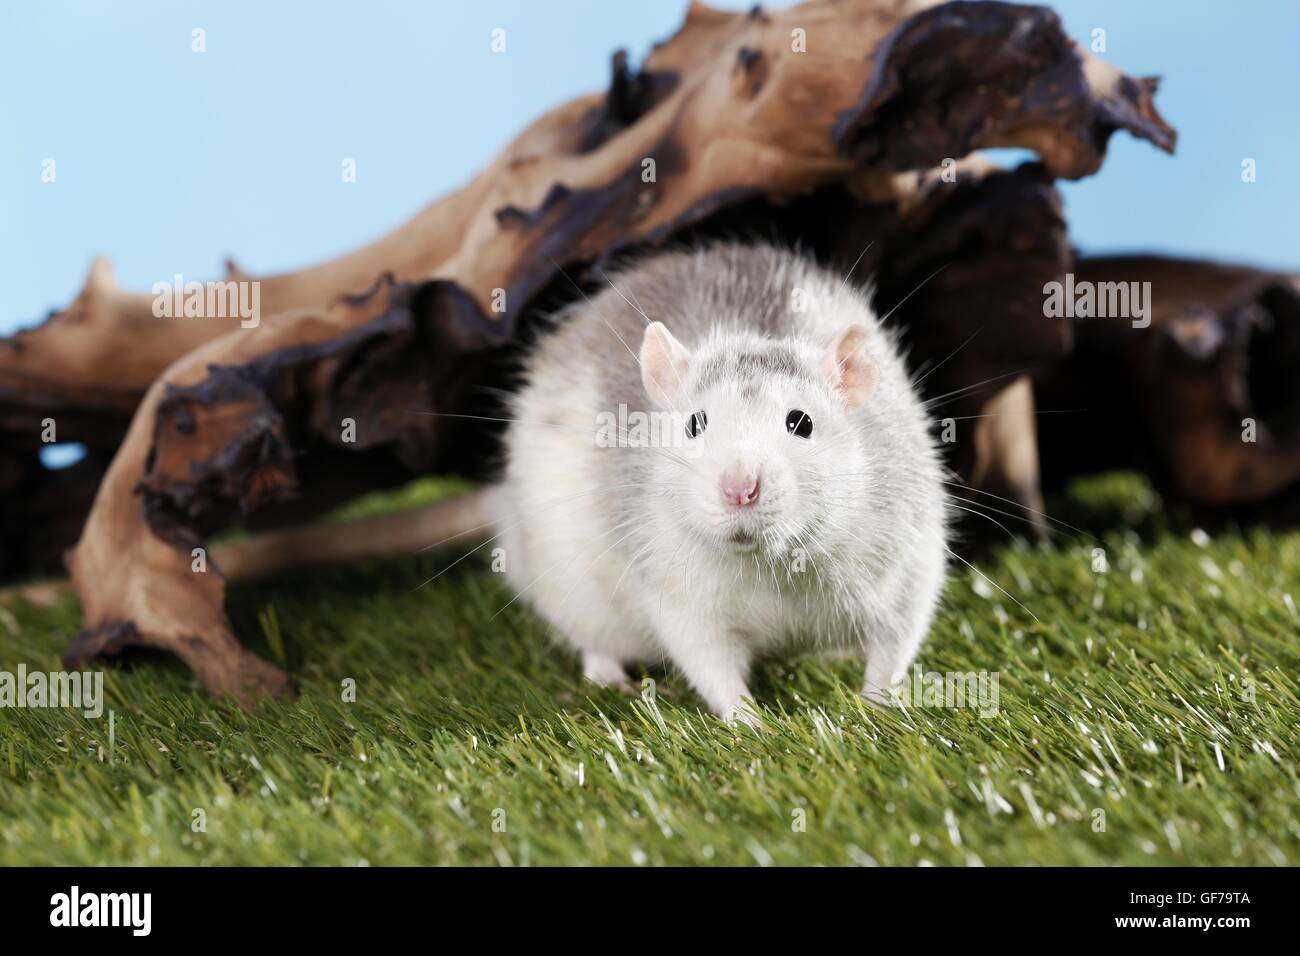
(1175, 399)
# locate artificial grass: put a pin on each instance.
(1162, 692)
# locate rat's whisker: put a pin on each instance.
(984, 516)
(935, 368)
(992, 582)
(1037, 411)
(845, 280)
(980, 504)
(931, 402)
(884, 318)
(1041, 514)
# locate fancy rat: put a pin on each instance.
(719, 456)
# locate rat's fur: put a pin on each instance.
(631, 553)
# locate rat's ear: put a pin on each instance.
(664, 364)
(849, 369)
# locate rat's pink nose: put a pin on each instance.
(739, 487)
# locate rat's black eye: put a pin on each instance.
(696, 424)
(798, 423)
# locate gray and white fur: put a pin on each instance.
(759, 533)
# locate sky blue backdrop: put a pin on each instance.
(169, 160)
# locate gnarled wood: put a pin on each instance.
(1204, 400)
(732, 112)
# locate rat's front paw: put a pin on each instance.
(607, 672)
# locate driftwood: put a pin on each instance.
(834, 124)
(1204, 400)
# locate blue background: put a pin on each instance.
(169, 161)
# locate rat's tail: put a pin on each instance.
(465, 519)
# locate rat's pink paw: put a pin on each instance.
(607, 672)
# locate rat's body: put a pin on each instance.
(758, 528)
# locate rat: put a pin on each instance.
(718, 457)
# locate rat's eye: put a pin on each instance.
(696, 424)
(798, 423)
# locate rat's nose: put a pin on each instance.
(740, 486)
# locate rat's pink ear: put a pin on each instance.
(849, 369)
(664, 364)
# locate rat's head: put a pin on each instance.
(774, 452)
